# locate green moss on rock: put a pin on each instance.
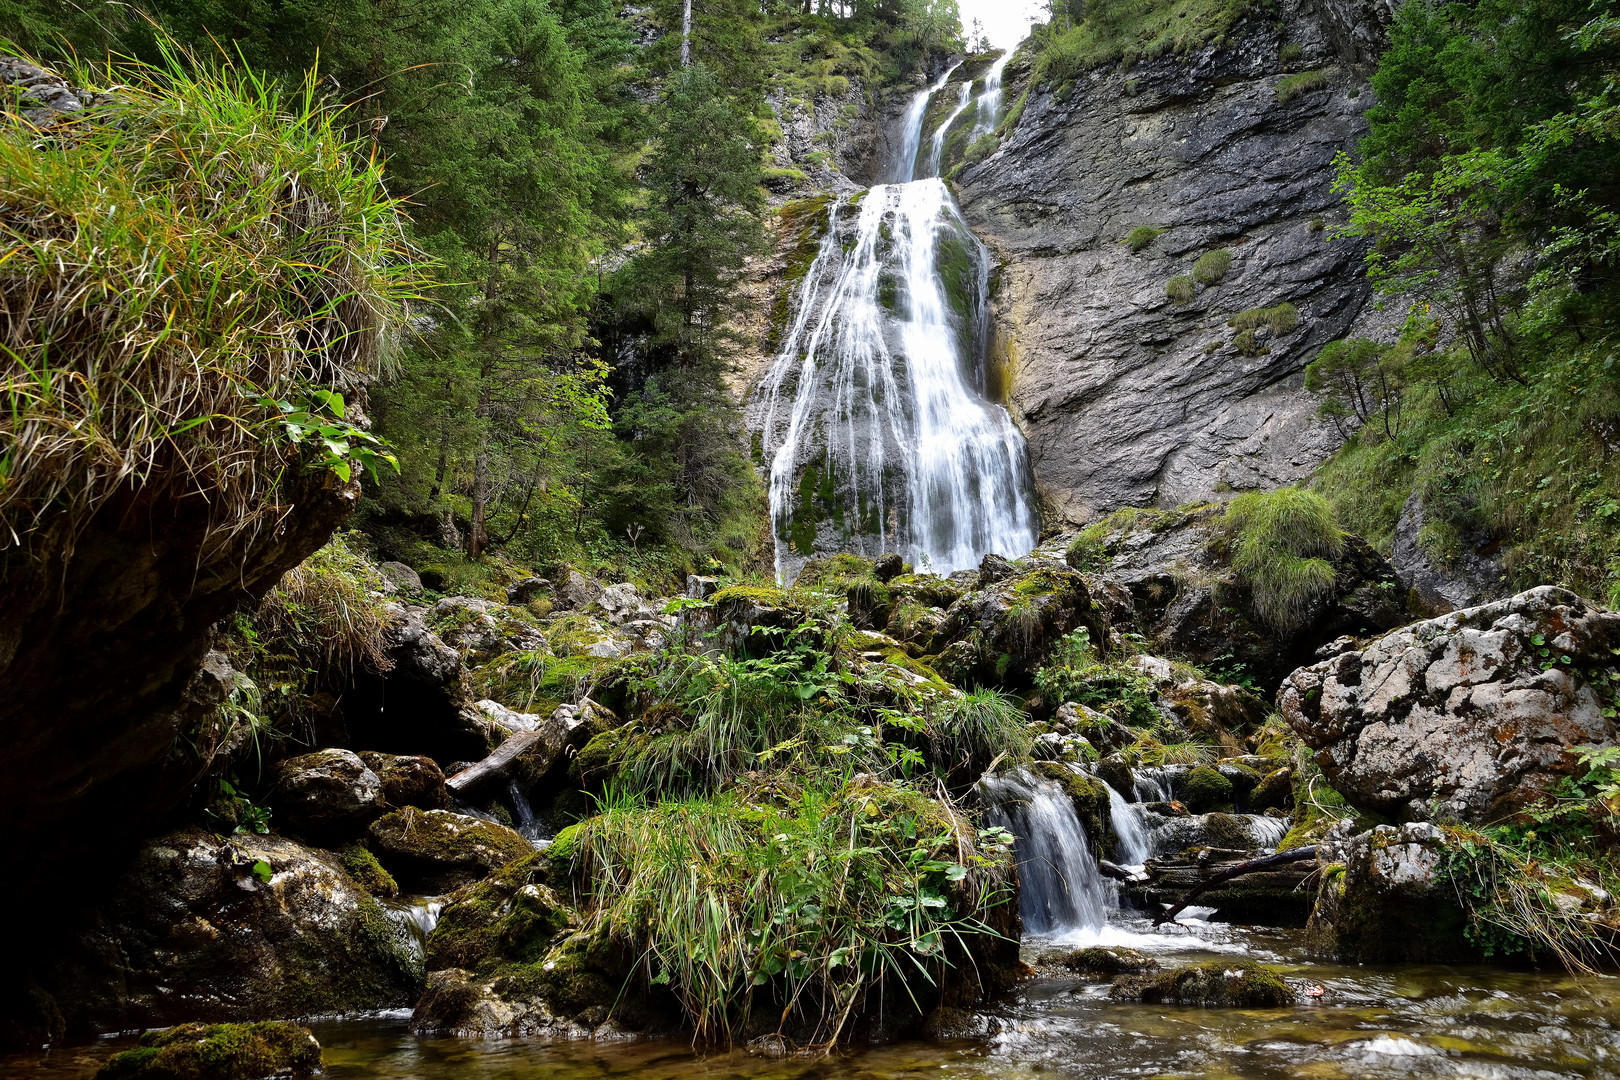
(1219, 984)
(436, 849)
(219, 1052)
(1205, 789)
(1099, 960)
(1090, 798)
(512, 917)
(361, 865)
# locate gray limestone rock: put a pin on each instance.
(1126, 397)
(1475, 577)
(1472, 715)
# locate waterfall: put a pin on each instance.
(1060, 888)
(1133, 848)
(874, 415)
(937, 153)
(988, 112)
(525, 822)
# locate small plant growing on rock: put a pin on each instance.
(1248, 344)
(1290, 87)
(1291, 52)
(1181, 289)
(1281, 544)
(1281, 319)
(1141, 236)
(1212, 266)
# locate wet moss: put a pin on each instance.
(1205, 789)
(1090, 798)
(219, 1052)
(1274, 792)
(1099, 960)
(361, 865)
(512, 917)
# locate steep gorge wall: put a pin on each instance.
(1126, 397)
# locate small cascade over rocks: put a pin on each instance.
(987, 110)
(1060, 887)
(1134, 848)
(876, 415)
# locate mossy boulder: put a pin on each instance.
(753, 620)
(1002, 633)
(1274, 792)
(436, 850)
(224, 929)
(1205, 789)
(1099, 960)
(511, 917)
(361, 865)
(409, 780)
(218, 1052)
(1217, 984)
(328, 794)
(1383, 897)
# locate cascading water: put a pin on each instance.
(936, 156)
(1133, 848)
(1060, 888)
(987, 110)
(875, 413)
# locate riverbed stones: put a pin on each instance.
(1474, 715)
(480, 630)
(1217, 984)
(1104, 960)
(1382, 898)
(409, 780)
(330, 793)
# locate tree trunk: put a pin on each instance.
(1264, 862)
(686, 34)
(478, 533)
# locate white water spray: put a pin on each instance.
(874, 413)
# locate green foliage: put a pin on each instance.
(1141, 236)
(1181, 289)
(1075, 673)
(1290, 87)
(1212, 266)
(196, 254)
(1281, 544)
(326, 615)
(1281, 319)
(1076, 41)
(825, 895)
(968, 732)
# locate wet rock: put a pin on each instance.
(421, 705)
(218, 1052)
(1205, 789)
(1189, 602)
(205, 928)
(1090, 798)
(888, 567)
(1199, 145)
(701, 588)
(945, 1022)
(1001, 634)
(1275, 791)
(1473, 714)
(409, 780)
(1217, 984)
(330, 793)
(1282, 896)
(994, 568)
(1115, 771)
(433, 851)
(1101, 730)
(404, 579)
(1383, 899)
(1113, 960)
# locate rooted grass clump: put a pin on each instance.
(1181, 289)
(1281, 544)
(825, 897)
(1290, 87)
(327, 615)
(198, 270)
(1282, 319)
(1141, 236)
(1212, 266)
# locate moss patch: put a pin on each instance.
(1205, 789)
(361, 865)
(1219, 983)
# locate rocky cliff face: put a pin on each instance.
(1128, 397)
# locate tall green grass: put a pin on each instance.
(1281, 544)
(800, 901)
(192, 275)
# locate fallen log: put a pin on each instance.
(1113, 870)
(497, 765)
(1264, 862)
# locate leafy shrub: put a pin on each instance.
(1142, 236)
(1181, 289)
(1212, 266)
(1280, 544)
(1075, 673)
(1290, 87)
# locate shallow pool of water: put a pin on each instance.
(1369, 1023)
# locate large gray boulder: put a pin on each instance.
(480, 630)
(1472, 715)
